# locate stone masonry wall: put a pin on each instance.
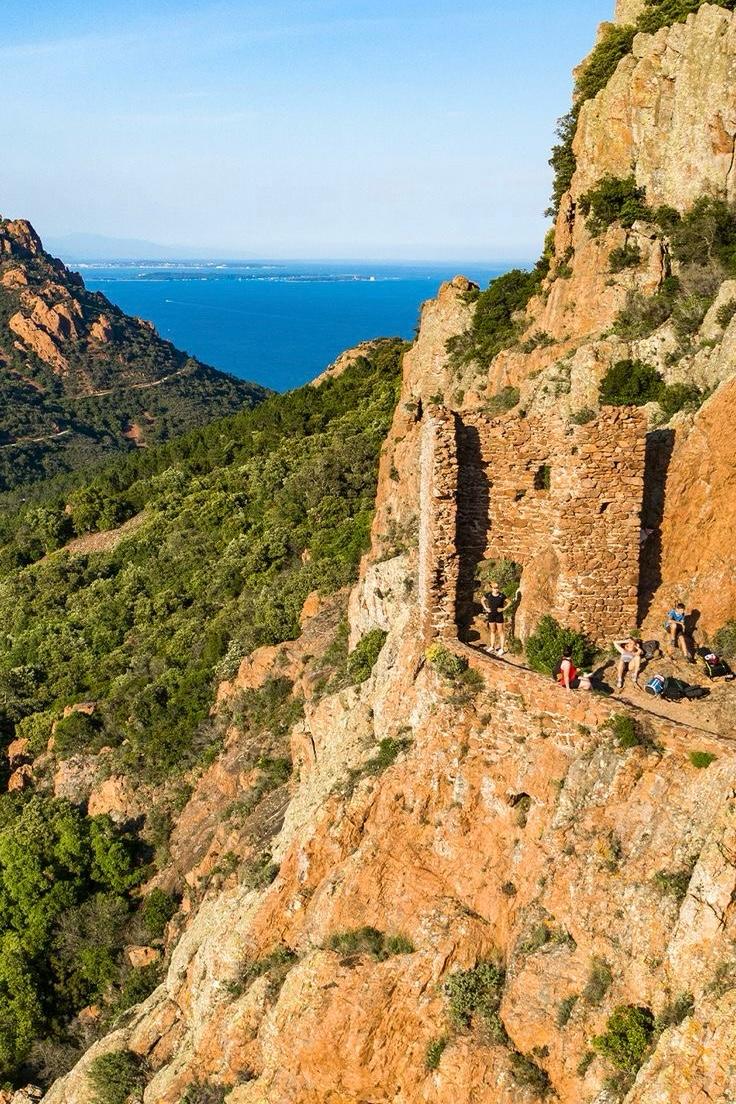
(561, 500)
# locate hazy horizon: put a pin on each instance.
(311, 129)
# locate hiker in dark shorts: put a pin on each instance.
(675, 626)
(494, 603)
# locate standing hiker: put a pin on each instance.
(494, 603)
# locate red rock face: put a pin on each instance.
(698, 564)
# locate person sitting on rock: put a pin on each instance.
(675, 626)
(566, 671)
(630, 656)
(494, 603)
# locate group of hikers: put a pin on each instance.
(631, 651)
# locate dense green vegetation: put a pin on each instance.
(241, 521)
(545, 646)
(494, 326)
(626, 1040)
(630, 382)
(65, 881)
(613, 200)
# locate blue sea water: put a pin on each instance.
(278, 323)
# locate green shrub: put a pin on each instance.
(545, 646)
(724, 641)
(138, 986)
(625, 730)
(585, 1063)
(688, 313)
(624, 256)
(204, 1092)
(370, 941)
(77, 733)
(275, 966)
(504, 400)
(673, 883)
(157, 909)
(116, 1077)
(662, 13)
(600, 980)
(446, 663)
(627, 1038)
(613, 200)
(725, 313)
(630, 383)
(528, 1075)
(583, 416)
(362, 659)
(475, 992)
(643, 314)
(680, 396)
(260, 871)
(674, 1012)
(705, 236)
(615, 44)
(433, 1054)
(702, 759)
(493, 326)
(565, 1009)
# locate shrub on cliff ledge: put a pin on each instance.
(476, 993)
(116, 1077)
(630, 383)
(545, 646)
(663, 13)
(724, 641)
(614, 200)
(626, 1040)
(362, 659)
(494, 327)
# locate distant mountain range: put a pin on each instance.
(79, 378)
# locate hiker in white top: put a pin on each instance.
(630, 653)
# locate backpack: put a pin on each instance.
(676, 690)
(649, 649)
(656, 686)
(715, 667)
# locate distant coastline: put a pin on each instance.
(279, 323)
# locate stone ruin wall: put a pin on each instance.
(577, 540)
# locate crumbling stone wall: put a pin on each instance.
(561, 500)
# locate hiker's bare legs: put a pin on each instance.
(621, 670)
(634, 668)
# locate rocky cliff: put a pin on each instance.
(483, 889)
(79, 377)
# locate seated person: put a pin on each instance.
(675, 627)
(630, 656)
(566, 671)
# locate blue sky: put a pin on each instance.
(289, 128)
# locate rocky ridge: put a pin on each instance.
(507, 825)
(79, 377)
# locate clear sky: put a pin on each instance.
(289, 128)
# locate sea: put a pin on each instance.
(277, 323)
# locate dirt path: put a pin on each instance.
(100, 542)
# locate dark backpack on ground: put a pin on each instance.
(650, 649)
(676, 690)
(715, 667)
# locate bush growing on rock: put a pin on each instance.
(364, 656)
(117, 1078)
(446, 663)
(157, 909)
(623, 257)
(613, 200)
(630, 383)
(475, 993)
(680, 396)
(724, 641)
(435, 1049)
(529, 1075)
(370, 941)
(600, 980)
(627, 1038)
(545, 646)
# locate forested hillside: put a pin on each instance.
(238, 523)
(79, 379)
